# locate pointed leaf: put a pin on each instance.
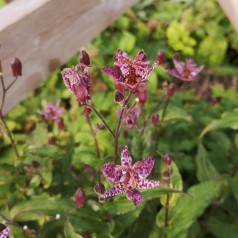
(227, 120)
(188, 209)
(205, 169)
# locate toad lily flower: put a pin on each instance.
(128, 178)
(78, 81)
(129, 74)
(186, 71)
(52, 111)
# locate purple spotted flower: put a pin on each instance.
(52, 111)
(186, 71)
(4, 231)
(130, 117)
(129, 74)
(77, 79)
(128, 178)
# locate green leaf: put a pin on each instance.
(44, 150)
(234, 187)
(39, 206)
(205, 169)
(69, 231)
(188, 209)
(122, 205)
(39, 136)
(227, 120)
(175, 113)
(221, 229)
(127, 42)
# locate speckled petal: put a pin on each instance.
(4, 231)
(178, 65)
(126, 159)
(144, 167)
(117, 189)
(145, 183)
(80, 92)
(148, 72)
(135, 196)
(109, 172)
(70, 77)
(141, 59)
(115, 73)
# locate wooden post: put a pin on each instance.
(230, 8)
(44, 34)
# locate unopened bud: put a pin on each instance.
(52, 140)
(86, 111)
(60, 123)
(99, 188)
(166, 175)
(167, 160)
(35, 164)
(154, 118)
(80, 198)
(84, 58)
(165, 85)
(161, 57)
(171, 90)
(57, 217)
(101, 200)
(16, 66)
(118, 97)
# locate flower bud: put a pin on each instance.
(101, 200)
(86, 111)
(35, 164)
(60, 123)
(166, 175)
(52, 140)
(16, 66)
(99, 188)
(80, 198)
(161, 57)
(154, 118)
(171, 90)
(165, 85)
(118, 97)
(84, 58)
(167, 160)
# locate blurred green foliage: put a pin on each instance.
(199, 134)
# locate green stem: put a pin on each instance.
(119, 125)
(165, 108)
(101, 117)
(9, 135)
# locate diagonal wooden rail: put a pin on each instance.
(45, 34)
(230, 7)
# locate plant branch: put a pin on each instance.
(101, 117)
(9, 135)
(165, 108)
(119, 124)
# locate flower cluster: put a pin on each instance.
(130, 80)
(128, 178)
